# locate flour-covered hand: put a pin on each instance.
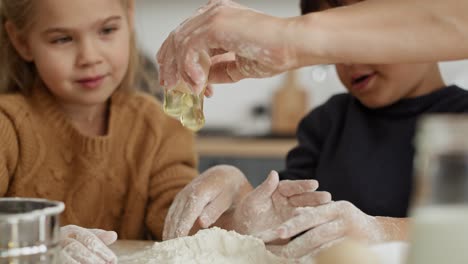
(206, 198)
(326, 224)
(274, 202)
(86, 246)
(224, 29)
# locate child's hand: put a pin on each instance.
(325, 225)
(81, 245)
(274, 202)
(206, 198)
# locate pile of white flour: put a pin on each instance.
(218, 246)
(209, 246)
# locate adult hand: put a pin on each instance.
(325, 225)
(274, 202)
(206, 198)
(86, 246)
(231, 41)
(209, 92)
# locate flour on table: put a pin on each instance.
(209, 246)
(218, 246)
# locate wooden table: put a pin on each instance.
(245, 147)
(127, 247)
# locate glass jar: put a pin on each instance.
(439, 211)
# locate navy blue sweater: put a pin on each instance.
(364, 155)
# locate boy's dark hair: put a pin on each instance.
(309, 6)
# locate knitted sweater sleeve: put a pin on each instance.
(174, 167)
(8, 152)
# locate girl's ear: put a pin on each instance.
(18, 41)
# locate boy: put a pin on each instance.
(359, 147)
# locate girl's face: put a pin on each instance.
(80, 48)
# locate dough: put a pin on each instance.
(209, 246)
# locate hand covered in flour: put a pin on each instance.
(206, 198)
(274, 202)
(329, 223)
(86, 246)
(209, 91)
(232, 40)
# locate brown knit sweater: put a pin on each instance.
(124, 181)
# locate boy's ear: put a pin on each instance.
(18, 41)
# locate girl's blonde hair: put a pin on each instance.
(18, 75)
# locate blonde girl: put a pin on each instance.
(72, 129)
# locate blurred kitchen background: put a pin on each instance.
(249, 124)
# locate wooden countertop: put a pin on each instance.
(127, 247)
(245, 147)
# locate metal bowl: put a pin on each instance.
(29, 230)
